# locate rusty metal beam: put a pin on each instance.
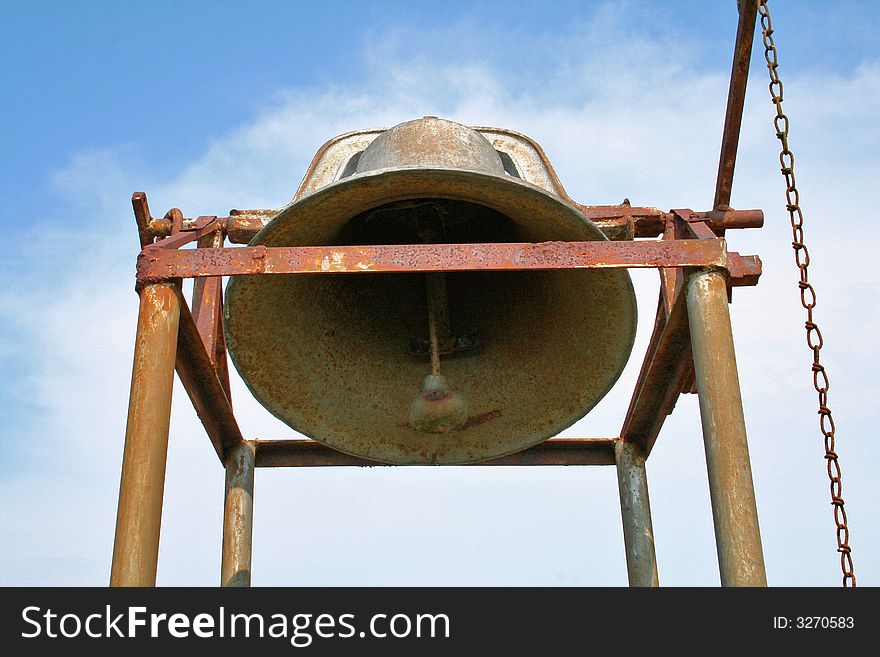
(672, 282)
(156, 263)
(666, 369)
(555, 451)
(650, 222)
(197, 373)
(146, 231)
(744, 271)
(242, 225)
(207, 309)
(736, 96)
(662, 377)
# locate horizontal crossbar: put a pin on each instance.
(555, 451)
(156, 264)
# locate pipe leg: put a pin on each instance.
(142, 485)
(737, 535)
(635, 511)
(238, 516)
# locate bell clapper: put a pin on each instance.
(438, 408)
(438, 315)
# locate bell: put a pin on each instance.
(430, 368)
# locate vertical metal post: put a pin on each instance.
(142, 485)
(737, 535)
(238, 516)
(635, 511)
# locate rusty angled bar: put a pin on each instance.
(207, 309)
(159, 263)
(736, 96)
(206, 392)
(661, 379)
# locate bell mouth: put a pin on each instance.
(333, 357)
(428, 220)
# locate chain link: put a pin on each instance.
(808, 297)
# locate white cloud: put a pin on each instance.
(650, 134)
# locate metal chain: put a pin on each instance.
(808, 298)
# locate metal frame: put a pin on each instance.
(691, 350)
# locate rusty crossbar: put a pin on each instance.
(241, 226)
(158, 263)
(555, 451)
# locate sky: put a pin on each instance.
(220, 105)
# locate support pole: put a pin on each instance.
(141, 488)
(238, 516)
(737, 535)
(635, 511)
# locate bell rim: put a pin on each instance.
(401, 177)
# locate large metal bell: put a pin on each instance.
(436, 368)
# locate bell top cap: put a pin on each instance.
(431, 142)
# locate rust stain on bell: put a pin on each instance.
(522, 355)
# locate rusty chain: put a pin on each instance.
(808, 297)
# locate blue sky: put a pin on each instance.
(210, 106)
(167, 77)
